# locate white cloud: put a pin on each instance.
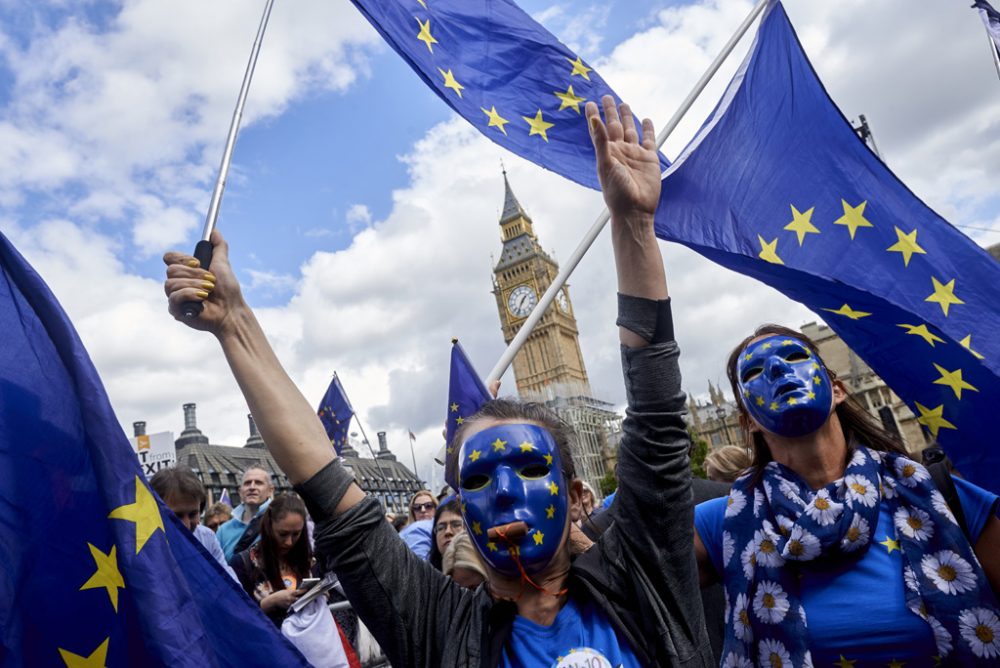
(382, 311)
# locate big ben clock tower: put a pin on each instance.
(550, 363)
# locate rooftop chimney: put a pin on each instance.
(383, 448)
(255, 441)
(191, 434)
(139, 428)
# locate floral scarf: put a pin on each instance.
(780, 520)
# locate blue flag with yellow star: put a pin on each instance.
(501, 71)
(335, 412)
(466, 394)
(94, 570)
(777, 185)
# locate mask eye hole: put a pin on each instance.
(534, 471)
(474, 483)
(796, 356)
(750, 374)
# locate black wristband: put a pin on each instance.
(649, 318)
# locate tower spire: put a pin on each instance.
(511, 207)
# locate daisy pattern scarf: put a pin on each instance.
(781, 520)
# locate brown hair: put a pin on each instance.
(511, 410)
(411, 518)
(299, 558)
(860, 428)
(178, 482)
(219, 508)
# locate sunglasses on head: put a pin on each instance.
(423, 506)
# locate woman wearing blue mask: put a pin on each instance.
(836, 549)
(630, 600)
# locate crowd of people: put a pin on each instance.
(830, 547)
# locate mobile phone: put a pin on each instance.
(308, 583)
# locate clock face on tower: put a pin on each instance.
(521, 300)
(563, 301)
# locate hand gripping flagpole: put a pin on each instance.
(543, 304)
(203, 249)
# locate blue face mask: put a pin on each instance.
(785, 388)
(510, 473)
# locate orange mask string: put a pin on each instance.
(515, 554)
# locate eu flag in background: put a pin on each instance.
(776, 185)
(503, 72)
(335, 412)
(94, 570)
(466, 395)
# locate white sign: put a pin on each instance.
(155, 452)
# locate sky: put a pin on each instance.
(362, 213)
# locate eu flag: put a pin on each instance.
(335, 412)
(94, 570)
(501, 71)
(466, 395)
(776, 185)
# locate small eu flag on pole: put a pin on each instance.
(94, 569)
(991, 19)
(777, 185)
(501, 71)
(335, 412)
(466, 395)
(224, 498)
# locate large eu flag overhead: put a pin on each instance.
(776, 185)
(466, 395)
(503, 72)
(335, 412)
(94, 570)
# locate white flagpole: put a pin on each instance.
(995, 50)
(536, 314)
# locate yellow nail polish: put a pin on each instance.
(202, 294)
(209, 276)
(207, 285)
(193, 263)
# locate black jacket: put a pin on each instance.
(641, 572)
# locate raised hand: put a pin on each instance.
(218, 289)
(629, 170)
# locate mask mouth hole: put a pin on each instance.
(786, 388)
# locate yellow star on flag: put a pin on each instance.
(492, 546)
(97, 658)
(107, 576)
(853, 218)
(496, 120)
(845, 663)
(454, 408)
(922, 332)
(425, 35)
(967, 344)
(848, 312)
(760, 401)
(538, 125)
(449, 81)
(498, 445)
(477, 528)
(475, 455)
(890, 544)
(144, 512)
(907, 245)
(933, 418)
(459, 420)
(526, 447)
(774, 406)
(801, 224)
(944, 294)
(579, 68)
(769, 251)
(550, 512)
(569, 99)
(539, 537)
(553, 488)
(953, 379)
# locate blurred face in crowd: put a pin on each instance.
(256, 487)
(448, 526)
(287, 530)
(216, 520)
(187, 509)
(423, 507)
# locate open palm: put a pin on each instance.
(629, 170)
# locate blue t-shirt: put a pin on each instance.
(858, 611)
(418, 537)
(580, 637)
